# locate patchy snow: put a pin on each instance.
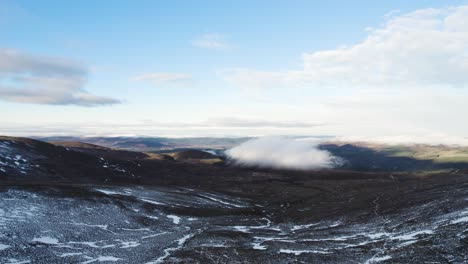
(407, 243)
(9, 159)
(175, 219)
(64, 255)
(334, 224)
(92, 244)
(377, 259)
(46, 240)
(460, 220)
(108, 192)
(244, 229)
(168, 251)
(120, 228)
(214, 198)
(462, 217)
(337, 238)
(299, 252)
(16, 261)
(151, 201)
(98, 226)
(137, 229)
(413, 235)
(106, 164)
(258, 246)
(101, 259)
(11, 212)
(300, 227)
(129, 244)
(154, 235)
(152, 217)
(376, 235)
(3, 247)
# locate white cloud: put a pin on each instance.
(211, 41)
(26, 78)
(425, 47)
(430, 139)
(252, 123)
(407, 77)
(282, 153)
(163, 77)
(216, 127)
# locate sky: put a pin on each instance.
(234, 68)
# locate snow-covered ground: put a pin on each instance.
(161, 225)
(9, 158)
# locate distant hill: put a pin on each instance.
(152, 143)
(377, 157)
(77, 144)
(192, 154)
(359, 156)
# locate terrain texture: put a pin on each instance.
(73, 202)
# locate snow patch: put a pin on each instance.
(98, 226)
(218, 200)
(460, 220)
(64, 255)
(258, 246)
(299, 252)
(412, 236)
(151, 201)
(16, 261)
(108, 192)
(175, 219)
(300, 227)
(167, 251)
(377, 259)
(46, 240)
(3, 247)
(129, 244)
(101, 259)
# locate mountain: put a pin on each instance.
(374, 157)
(80, 203)
(152, 143)
(193, 154)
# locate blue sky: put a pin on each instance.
(221, 67)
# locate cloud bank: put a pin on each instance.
(431, 140)
(408, 76)
(26, 78)
(211, 41)
(163, 77)
(253, 123)
(282, 153)
(424, 47)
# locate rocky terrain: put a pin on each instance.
(79, 203)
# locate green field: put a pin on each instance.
(438, 154)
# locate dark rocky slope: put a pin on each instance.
(61, 205)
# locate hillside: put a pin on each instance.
(78, 145)
(148, 144)
(59, 205)
(375, 157)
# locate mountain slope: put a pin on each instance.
(62, 205)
